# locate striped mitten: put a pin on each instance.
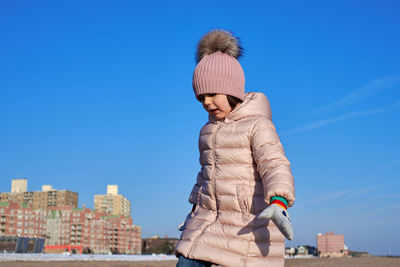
(277, 212)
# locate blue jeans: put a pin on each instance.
(185, 262)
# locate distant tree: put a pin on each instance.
(165, 247)
(87, 250)
(115, 251)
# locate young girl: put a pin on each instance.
(245, 185)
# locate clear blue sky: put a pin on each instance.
(99, 92)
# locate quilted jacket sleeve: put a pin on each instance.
(272, 164)
(194, 195)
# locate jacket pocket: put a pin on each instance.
(242, 194)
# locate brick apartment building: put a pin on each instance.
(66, 226)
(53, 215)
(48, 197)
(93, 231)
(330, 245)
(20, 220)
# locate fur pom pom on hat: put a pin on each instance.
(218, 40)
(218, 71)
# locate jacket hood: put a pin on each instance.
(254, 104)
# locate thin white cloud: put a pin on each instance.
(375, 86)
(321, 123)
(392, 163)
(332, 196)
(376, 212)
(386, 196)
(351, 115)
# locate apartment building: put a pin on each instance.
(48, 197)
(330, 245)
(92, 231)
(21, 220)
(53, 215)
(19, 185)
(67, 226)
(112, 202)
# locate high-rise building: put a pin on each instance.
(19, 185)
(64, 227)
(112, 202)
(112, 189)
(48, 197)
(92, 231)
(53, 215)
(330, 245)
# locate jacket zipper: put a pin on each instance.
(215, 165)
(215, 189)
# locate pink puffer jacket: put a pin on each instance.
(243, 166)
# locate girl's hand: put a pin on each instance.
(280, 217)
(182, 225)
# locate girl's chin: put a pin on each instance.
(219, 116)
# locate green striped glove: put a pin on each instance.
(277, 212)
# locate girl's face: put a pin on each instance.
(216, 105)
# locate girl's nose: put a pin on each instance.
(207, 100)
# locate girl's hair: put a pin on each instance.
(233, 101)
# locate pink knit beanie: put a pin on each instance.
(218, 71)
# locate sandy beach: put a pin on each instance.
(314, 262)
